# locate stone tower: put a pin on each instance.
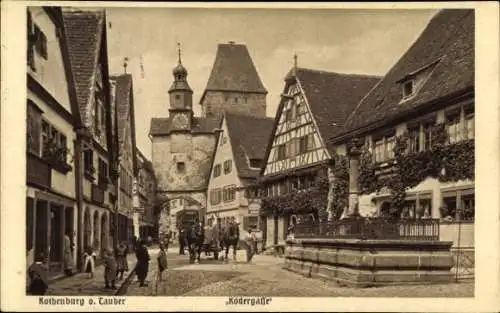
(234, 84)
(182, 145)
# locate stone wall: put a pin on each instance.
(365, 263)
(253, 104)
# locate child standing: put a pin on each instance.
(109, 270)
(89, 263)
(162, 261)
(121, 260)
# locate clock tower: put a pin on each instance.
(181, 99)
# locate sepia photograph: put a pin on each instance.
(248, 153)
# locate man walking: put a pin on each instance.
(142, 266)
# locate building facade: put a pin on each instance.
(296, 175)
(51, 204)
(423, 108)
(125, 127)
(146, 184)
(236, 165)
(234, 84)
(86, 38)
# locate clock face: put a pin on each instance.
(180, 121)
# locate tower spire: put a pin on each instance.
(179, 52)
(295, 63)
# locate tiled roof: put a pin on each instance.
(83, 30)
(161, 125)
(448, 40)
(234, 70)
(332, 97)
(142, 161)
(249, 137)
(123, 88)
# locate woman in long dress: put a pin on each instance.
(68, 255)
(142, 267)
(121, 260)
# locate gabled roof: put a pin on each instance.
(234, 70)
(123, 90)
(332, 97)
(447, 43)
(84, 30)
(160, 126)
(248, 136)
(143, 162)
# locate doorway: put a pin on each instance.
(41, 220)
(56, 233)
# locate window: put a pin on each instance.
(469, 126)
(427, 136)
(217, 170)
(389, 145)
(228, 166)
(468, 207)
(54, 143)
(40, 41)
(452, 211)
(103, 117)
(291, 147)
(181, 167)
(255, 163)
(103, 170)
(235, 100)
(88, 156)
(303, 144)
(281, 151)
(223, 140)
(34, 118)
(414, 145)
(215, 196)
(408, 89)
(379, 150)
(251, 222)
(453, 129)
(177, 97)
(30, 36)
(229, 193)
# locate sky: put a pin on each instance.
(336, 40)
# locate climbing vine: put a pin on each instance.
(446, 162)
(300, 201)
(340, 189)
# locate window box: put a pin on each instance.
(89, 174)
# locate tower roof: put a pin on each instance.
(234, 70)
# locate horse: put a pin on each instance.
(195, 237)
(230, 238)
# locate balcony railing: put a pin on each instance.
(97, 194)
(371, 228)
(38, 172)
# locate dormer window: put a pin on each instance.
(255, 163)
(408, 89)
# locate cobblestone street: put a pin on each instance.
(265, 277)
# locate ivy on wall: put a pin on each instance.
(340, 189)
(309, 200)
(446, 162)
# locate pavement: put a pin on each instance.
(263, 276)
(81, 284)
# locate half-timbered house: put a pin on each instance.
(417, 125)
(313, 107)
(146, 188)
(51, 206)
(86, 37)
(123, 104)
(237, 160)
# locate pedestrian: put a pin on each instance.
(142, 267)
(89, 257)
(162, 261)
(68, 254)
(250, 240)
(109, 270)
(121, 260)
(182, 241)
(233, 238)
(37, 273)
